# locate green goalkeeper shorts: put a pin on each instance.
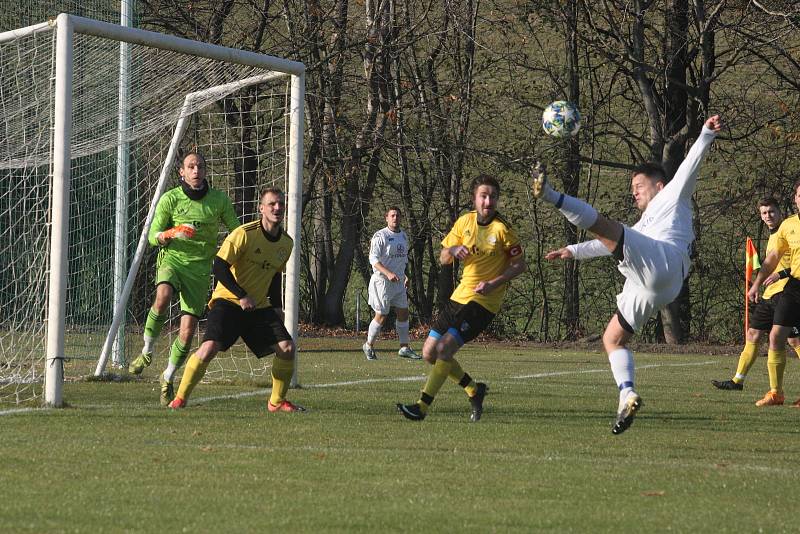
(190, 281)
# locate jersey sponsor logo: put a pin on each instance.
(516, 250)
(475, 251)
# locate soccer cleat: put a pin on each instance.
(771, 399)
(796, 404)
(285, 406)
(408, 352)
(177, 403)
(369, 352)
(167, 391)
(411, 411)
(137, 365)
(728, 385)
(477, 402)
(625, 416)
(539, 183)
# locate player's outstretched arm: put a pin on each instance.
(561, 254)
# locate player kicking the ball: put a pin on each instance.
(652, 255)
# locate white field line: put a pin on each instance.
(607, 370)
(264, 391)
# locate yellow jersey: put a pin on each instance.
(255, 257)
(787, 239)
(784, 263)
(491, 248)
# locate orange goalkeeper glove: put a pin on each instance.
(182, 231)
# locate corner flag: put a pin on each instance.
(751, 263)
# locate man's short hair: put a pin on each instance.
(485, 179)
(796, 185)
(652, 170)
(393, 208)
(270, 189)
(192, 152)
(769, 201)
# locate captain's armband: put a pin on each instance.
(515, 251)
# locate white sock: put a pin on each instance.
(402, 331)
(578, 212)
(373, 331)
(169, 372)
(549, 194)
(621, 361)
(149, 342)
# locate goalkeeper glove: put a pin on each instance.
(182, 231)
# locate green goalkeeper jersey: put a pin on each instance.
(205, 214)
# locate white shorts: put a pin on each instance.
(384, 294)
(654, 272)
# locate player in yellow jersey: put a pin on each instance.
(246, 302)
(762, 313)
(787, 311)
(492, 255)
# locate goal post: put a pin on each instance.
(61, 156)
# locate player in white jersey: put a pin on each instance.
(653, 254)
(388, 255)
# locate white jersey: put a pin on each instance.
(656, 248)
(391, 250)
(668, 216)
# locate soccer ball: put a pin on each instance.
(561, 119)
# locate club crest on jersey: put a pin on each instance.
(491, 240)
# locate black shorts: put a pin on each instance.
(260, 329)
(462, 321)
(787, 309)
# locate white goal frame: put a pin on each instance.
(66, 26)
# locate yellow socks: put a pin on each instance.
(776, 364)
(439, 373)
(281, 377)
(746, 360)
(192, 375)
(797, 350)
(462, 378)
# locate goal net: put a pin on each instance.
(83, 160)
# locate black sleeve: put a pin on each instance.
(274, 293)
(223, 274)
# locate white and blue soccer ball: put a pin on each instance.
(561, 119)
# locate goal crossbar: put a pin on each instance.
(65, 26)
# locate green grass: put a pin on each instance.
(543, 457)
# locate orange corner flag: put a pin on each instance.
(751, 259)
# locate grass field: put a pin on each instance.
(542, 458)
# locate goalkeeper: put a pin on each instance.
(185, 227)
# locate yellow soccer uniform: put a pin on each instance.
(784, 263)
(491, 248)
(255, 257)
(787, 240)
